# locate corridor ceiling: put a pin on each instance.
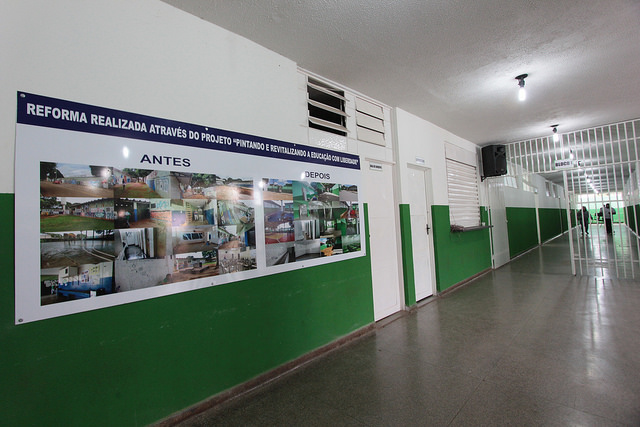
(454, 62)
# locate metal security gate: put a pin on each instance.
(599, 171)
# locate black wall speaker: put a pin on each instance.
(494, 160)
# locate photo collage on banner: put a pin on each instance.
(105, 230)
(141, 207)
(306, 220)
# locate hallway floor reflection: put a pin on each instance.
(607, 255)
(527, 344)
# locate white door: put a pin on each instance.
(378, 181)
(498, 218)
(421, 233)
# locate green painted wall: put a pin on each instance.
(633, 217)
(550, 222)
(137, 363)
(522, 229)
(563, 219)
(407, 255)
(460, 255)
(574, 216)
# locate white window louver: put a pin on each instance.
(326, 107)
(370, 122)
(464, 202)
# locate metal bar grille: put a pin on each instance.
(603, 169)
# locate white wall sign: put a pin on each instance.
(114, 207)
(567, 164)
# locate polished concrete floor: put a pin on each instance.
(600, 254)
(527, 344)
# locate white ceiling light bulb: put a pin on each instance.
(556, 137)
(522, 94)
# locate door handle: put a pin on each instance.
(428, 228)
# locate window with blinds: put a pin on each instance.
(326, 106)
(464, 201)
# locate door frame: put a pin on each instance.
(428, 186)
(496, 195)
(396, 227)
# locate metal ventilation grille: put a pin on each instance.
(326, 106)
(370, 122)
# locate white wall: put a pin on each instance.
(632, 188)
(517, 197)
(419, 138)
(544, 200)
(145, 57)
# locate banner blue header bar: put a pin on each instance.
(49, 112)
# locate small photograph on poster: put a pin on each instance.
(280, 253)
(143, 258)
(348, 193)
(141, 243)
(195, 265)
(76, 264)
(322, 220)
(237, 236)
(237, 248)
(137, 183)
(347, 223)
(76, 213)
(70, 180)
(134, 274)
(134, 213)
(236, 212)
(234, 189)
(276, 189)
(234, 259)
(199, 185)
(303, 194)
(307, 249)
(203, 251)
(327, 192)
(76, 282)
(160, 211)
(278, 221)
(189, 239)
(188, 212)
(59, 249)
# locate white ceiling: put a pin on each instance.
(454, 62)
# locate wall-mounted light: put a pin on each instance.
(522, 94)
(556, 137)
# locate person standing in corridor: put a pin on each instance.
(606, 211)
(583, 219)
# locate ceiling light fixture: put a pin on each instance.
(522, 94)
(556, 137)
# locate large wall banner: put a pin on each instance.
(114, 207)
